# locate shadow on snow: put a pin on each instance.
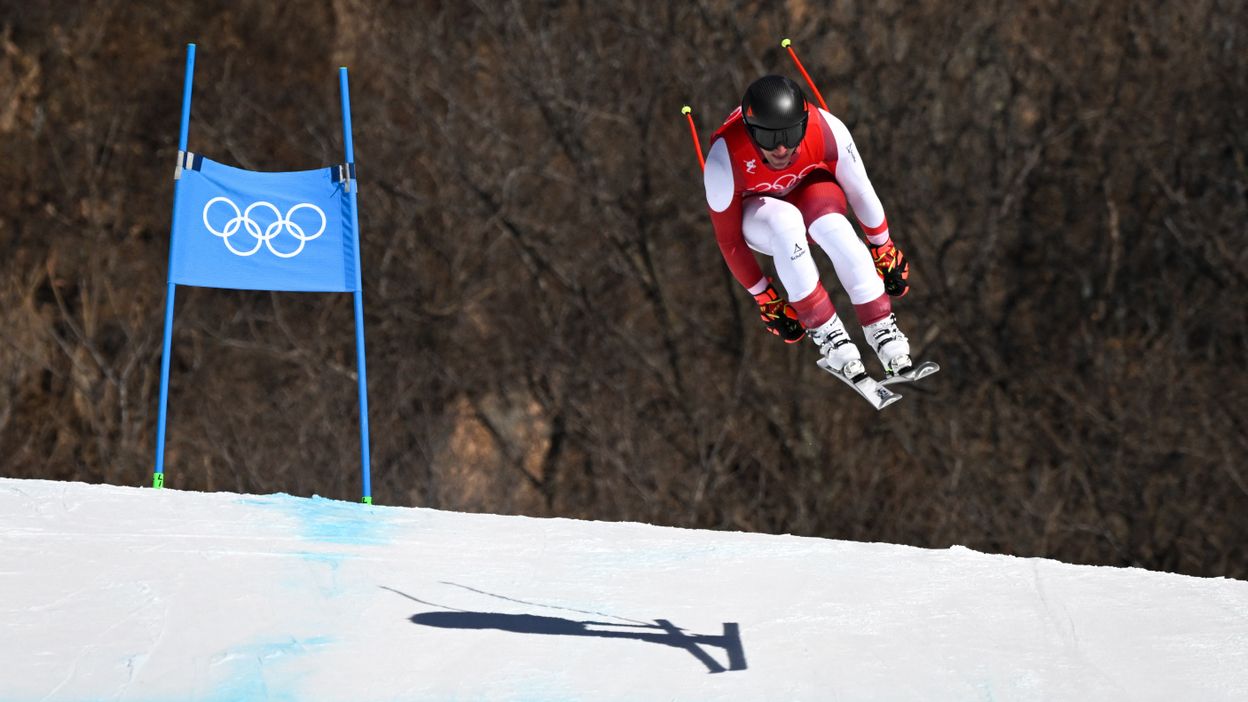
(661, 631)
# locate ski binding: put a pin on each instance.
(874, 392)
(911, 374)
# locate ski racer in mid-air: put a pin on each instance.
(778, 176)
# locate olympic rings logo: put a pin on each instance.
(264, 237)
(784, 183)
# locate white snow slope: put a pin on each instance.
(114, 593)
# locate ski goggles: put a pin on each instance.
(768, 139)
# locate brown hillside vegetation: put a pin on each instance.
(551, 329)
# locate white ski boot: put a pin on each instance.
(889, 344)
(839, 351)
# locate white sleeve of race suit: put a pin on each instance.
(718, 177)
(852, 175)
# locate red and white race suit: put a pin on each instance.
(778, 212)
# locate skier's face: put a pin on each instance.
(779, 157)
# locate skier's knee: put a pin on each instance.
(832, 230)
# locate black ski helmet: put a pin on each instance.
(774, 111)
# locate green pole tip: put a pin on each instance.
(367, 500)
(686, 110)
(785, 44)
(158, 480)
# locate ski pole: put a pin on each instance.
(789, 45)
(687, 111)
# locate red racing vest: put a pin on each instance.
(750, 171)
(752, 177)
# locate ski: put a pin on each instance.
(911, 374)
(873, 392)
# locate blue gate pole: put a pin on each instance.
(359, 288)
(158, 479)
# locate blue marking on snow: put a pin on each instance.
(248, 672)
(333, 531)
(253, 671)
(331, 521)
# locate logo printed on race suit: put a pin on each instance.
(798, 252)
(784, 183)
(242, 219)
(751, 165)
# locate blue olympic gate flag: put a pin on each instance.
(262, 231)
(293, 231)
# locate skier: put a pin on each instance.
(778, 176)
